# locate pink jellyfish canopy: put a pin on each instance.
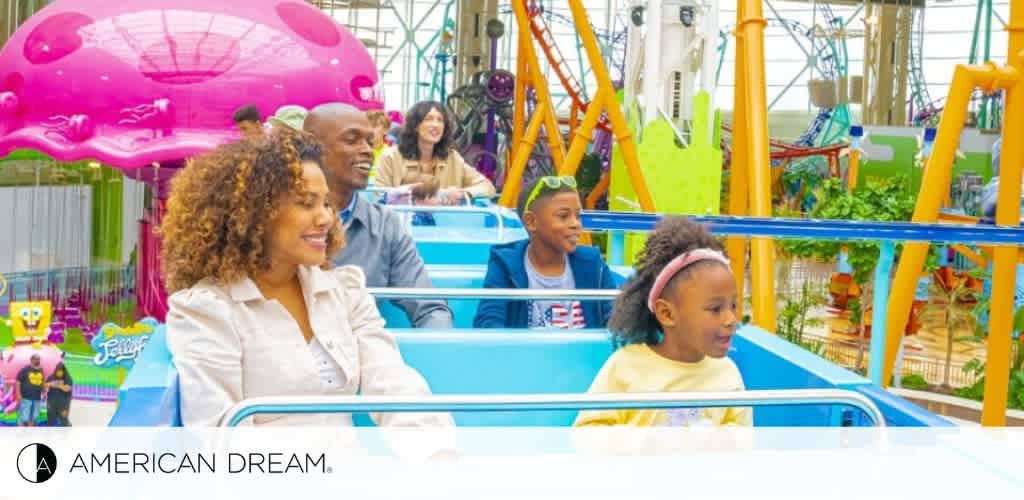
(143, 82)
(131, 83)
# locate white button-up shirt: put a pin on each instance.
(229, 343)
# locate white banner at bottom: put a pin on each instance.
(475, 463)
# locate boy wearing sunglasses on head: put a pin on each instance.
(550, 260)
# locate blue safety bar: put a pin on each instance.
(548, 402)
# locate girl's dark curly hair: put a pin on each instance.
(220, 206)
(631, 321)
(408, 138)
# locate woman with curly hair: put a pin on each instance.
(673, 324)
(254, 308)
(425, 145)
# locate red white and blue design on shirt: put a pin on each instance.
(557, 315)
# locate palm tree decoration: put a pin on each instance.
(947, 308)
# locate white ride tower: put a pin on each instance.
(670, 44)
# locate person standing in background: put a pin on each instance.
(58, 397)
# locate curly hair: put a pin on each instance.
(220, 206)
(408, 138)
(631, 321)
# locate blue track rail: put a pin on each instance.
(821, 229)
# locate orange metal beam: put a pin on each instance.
(535, 78)
(510, 196)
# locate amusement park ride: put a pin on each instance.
(145, 119)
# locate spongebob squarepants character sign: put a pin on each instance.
(30, 321)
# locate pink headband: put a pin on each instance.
(678, 264)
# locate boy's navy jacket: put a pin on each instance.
(506, 268)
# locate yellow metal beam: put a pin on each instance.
(751, 23)
(534, 77)
(510, 196)
(605, 99)
(738, 167)
(997, 364)
(935, 182)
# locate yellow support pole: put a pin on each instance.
(937, 173)
(600, 189)
(519, 102)
(510, 195)
(739, 192)
(583, 135)
(750, 21)
(1000, 342)
(607, 100)
(971, 255)
(936, 179)
(544, 102)
(852, 169)
(630, 155)
(554, 134)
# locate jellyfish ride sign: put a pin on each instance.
(118, 346)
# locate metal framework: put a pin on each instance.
(988, 107)
(15, 12)
(887, 39)
(936, 180)
(415, 56)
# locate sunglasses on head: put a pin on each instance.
(550, 182)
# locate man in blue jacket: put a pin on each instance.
(548, 260)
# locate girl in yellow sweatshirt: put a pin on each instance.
(673, 323)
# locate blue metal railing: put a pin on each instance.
(548, 402)
(817, 228)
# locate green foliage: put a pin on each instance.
(1015, 391)
(588, 174)
(884, 200)
(792, 320)
(74, 343)
(981, 308)
(914, 382)
(949, 311)
(856, 308)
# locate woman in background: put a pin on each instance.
(426, 146)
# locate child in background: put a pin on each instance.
(549, 259)
(381, 124)
(673, 325)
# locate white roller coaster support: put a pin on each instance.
(652, 57)
(709, 61)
